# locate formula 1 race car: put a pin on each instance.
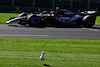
(61, 17)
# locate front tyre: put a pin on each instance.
(32, 20)
(35, 21)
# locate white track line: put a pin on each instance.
(23, 35)
(93, 29)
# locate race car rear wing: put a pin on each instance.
(89, 13)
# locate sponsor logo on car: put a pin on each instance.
(65, 19)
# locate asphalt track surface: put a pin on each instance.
(18, 31)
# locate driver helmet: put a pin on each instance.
(51, 12)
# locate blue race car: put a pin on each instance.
(61, 17)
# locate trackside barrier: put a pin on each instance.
(17, 9)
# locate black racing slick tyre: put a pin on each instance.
(32, 20)
(35, 21)
(89, 22)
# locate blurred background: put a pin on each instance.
(40, 5)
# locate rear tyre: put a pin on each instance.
(89, 22)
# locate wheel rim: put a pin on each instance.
(90, 21)
(34, 20)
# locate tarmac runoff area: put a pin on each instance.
(18, 31)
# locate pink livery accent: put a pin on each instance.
(67, 12)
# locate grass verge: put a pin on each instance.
(58, 53)
(4, 17)
(98, 20)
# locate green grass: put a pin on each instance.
(5, 16)
(58, 53)
(98, 20)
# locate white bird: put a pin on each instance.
(42, 57)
